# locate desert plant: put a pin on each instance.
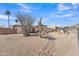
(8, 13)
(42, 28)
(26, 21)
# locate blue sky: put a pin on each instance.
(63, 14)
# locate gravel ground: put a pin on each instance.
(18, 45)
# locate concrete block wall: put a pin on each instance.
(8, 31)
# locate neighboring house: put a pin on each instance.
(53, 27)
(75, 26)
(19, 29)
(35, 29)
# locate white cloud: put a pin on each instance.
(75, 5)
(25, 8)
(62, 15)
(61, 7)
(65, 15)
(4, 17)
(74, 18)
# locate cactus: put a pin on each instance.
(42, 28)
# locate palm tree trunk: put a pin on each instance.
(8, 21)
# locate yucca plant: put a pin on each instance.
(26, 21)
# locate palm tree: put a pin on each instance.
(16, 21)
(8, 13)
